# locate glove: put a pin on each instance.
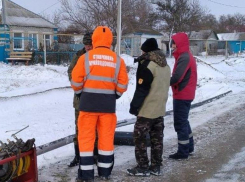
(133, 111)
(117, 96)
(136, 60)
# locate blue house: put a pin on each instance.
(235, 42)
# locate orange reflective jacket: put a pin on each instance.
(100, 75)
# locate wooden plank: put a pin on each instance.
(20, 56)
(26, 59)
(20, 53)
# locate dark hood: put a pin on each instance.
(182, 43)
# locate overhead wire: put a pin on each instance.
(233, 6)
(49, 7)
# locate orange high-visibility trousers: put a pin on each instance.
(106, 125)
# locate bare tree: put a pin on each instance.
(88, 14)
(75, 14)
(231, 23)
(209, 21)
(180, 15)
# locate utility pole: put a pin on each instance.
(119, 25)
(226, 49)
(44, 50)
(3, 12)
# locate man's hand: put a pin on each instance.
(133, 111)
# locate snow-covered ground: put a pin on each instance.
(41, 98)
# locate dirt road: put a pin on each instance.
(217, 143)
(219, 156)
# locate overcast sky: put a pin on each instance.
(215, 7)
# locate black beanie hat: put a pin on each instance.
(149, 45)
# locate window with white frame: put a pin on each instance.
(18, 41)
(33, 41)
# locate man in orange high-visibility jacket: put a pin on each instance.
(100, 77)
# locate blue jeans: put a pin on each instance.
(182, 126)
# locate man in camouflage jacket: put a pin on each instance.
(87, 41)
(149, 105)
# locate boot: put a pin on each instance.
(178, 156)
(76, 159)
(137, 171)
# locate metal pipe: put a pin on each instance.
(54, 144)
(69, 139)
(119, 24)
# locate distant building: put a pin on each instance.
(132, 41)
(235, 42)
(202, 41)
(23, 30)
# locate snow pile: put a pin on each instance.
(22, 80)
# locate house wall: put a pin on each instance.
(4, 42)
(27, 30)
(136, 43)
(132, 47)
(212, 36)
(199, 46)
(236, 46)
(144, 37)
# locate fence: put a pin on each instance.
(60, 48)
(49, 48)
(131, 46)
(57, 58)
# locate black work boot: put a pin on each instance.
(137, 171)
(155, 170)
(76, 159)
(178, 156)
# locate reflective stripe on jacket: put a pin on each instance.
(100, 77)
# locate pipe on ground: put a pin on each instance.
(121, 138)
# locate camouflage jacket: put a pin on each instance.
(69, 71)
(153, 77)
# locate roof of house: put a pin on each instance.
(15, 15)
(202, 34)
(142, 29)
(232, 36)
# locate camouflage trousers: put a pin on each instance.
(76, 128)
(154, 127)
